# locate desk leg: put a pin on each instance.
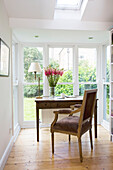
(37, 122)
(95, 119)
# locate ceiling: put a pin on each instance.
(29, 17)
(99, 10)
(32, 9)
(95, 10)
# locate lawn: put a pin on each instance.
(29, 109)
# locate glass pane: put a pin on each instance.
(107, 66)
(106, 95)
(68, 4)
(67, 89)
(87, 64)
(83, 87)
(106, 100)
(29, 109)
(57, 56)
(32, 54)
(30, 92)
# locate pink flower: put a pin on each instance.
(61, 73)
(46, 73)
(52, 71)
(49, 71)
(55, 72)
(53, 75)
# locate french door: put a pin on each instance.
(106, 84)
(30, 85)
(87, 69)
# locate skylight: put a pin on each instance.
(68, 4)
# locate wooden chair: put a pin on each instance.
(76, 125)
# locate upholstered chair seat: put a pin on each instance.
(70, 124)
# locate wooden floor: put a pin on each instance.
(27, 154)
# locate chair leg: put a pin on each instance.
(80, 149)
(52, 136)
(69, 138)
(90, 134)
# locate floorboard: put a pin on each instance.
(27, 154)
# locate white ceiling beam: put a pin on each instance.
(83, 8)
(58, 24)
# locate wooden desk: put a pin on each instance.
(56, 103)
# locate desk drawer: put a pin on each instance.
(52, 104)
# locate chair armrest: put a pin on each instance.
(75, 106)
(54, 121)
(62, 111)
(70, 112)
(75, 111)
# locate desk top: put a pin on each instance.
(59, 99)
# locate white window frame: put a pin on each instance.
(98, 76)
(32, 123)
(90, 46)
(69, 7)
(45, 47)
(104, 123)
(15, 87)
(75, 70)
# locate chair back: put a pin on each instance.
(89, 98)
(88, 105)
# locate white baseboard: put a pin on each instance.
(16, 132)
(105, 124)
(6, 154)
(45, 125)
(32, 124)
(9, 147)
(29, 124)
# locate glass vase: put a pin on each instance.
(52, 91)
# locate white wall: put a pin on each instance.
(5, 87)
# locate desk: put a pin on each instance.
(56, 103)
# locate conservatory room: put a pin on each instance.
(85, 65)
(56, 109)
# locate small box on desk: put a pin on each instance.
(38, 97)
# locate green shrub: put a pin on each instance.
(32, 90)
